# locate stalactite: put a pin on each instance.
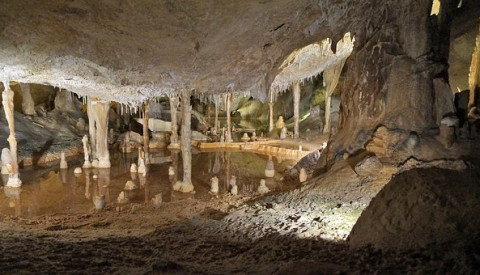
(216, 126)
(7, 101)
(296, 110)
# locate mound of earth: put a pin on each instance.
(420, 208)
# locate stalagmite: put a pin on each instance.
(28, 105)
(7, 101)
(130, 185)
(173, 114)
(100, 113)
(63, 161)
(331, 75)
(133, 168)
(186, 185)
(474, 75)
(283, 133)
(296, 109)
(280, 124)
(146, 138)
(77, 170)
(142, 169)
(262, 188)
(171, 171)
(269, 168)
(245, 137)
(214, 185)
(228, 134)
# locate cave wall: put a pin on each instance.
(390, 78)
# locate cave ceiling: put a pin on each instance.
(130, 51)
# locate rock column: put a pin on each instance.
(7, 101)
(28, 105)
(228, 98)
(146, 137)
(100, 113)
(474, 75)
(92, 129)
(270, 115)
(331, 75)
(173, 114)
(296, 109)
(216, 115)
(186, 185)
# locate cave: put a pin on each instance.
(254, 136)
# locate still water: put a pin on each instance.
(50, 191)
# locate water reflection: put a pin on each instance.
(54, 191)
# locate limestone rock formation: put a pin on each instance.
(370, 166)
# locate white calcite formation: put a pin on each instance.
(302, 176)
(157, 200)
(280, 124)
(86, 163)
(245, 137)
(122, 198)
(171, 171)
(78, 170)
(262, 188)
(234, 190)
(130, 185)
(283, 133)
(7, 102)
(6, 161)
(214, 185)
(63, 161)
(142, 169)
(99, 202)
(133, 168)
(269, 169)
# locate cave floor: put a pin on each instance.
(52, 225)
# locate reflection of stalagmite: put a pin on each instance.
(28, 105)
(86, 163)
(104, 183)
(146, 138)
(100, 113)
(173, 114)
(186, 184)
(296, 109)
(7, 101)
(88, 195)
(228, 134)
(331, 75)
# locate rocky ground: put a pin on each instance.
(293, 232)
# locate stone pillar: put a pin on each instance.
(92, 128)
(216, 114)
(100, 111)
(474, 75)
(146, 137)
(28, 105)
(270, 118)
(296, 109)
(7, 101)
(173, 114)
(331, 75)
(228, 135)
(186, 185)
